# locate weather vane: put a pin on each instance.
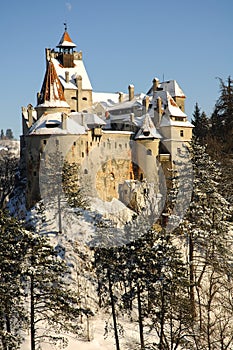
(65, 24)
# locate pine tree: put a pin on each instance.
(9, 134)
(206, 230)
(54, 305)
(75, 194)
(31, 270)
(147, 274)
(222, 117)
(201, 124)
(8, 169)
(14, 242)
(2, 135)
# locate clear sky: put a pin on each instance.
(123, 42)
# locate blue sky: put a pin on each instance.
(123, 42)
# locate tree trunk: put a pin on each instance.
(8, 326)
(2, 328)
(113, 311)
(162, 319)
(191, 277)
(140, 318)
(32, 302)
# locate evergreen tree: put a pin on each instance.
(76, 196)
(31, 270)
(14, 243)
(148, 275)
(2, 135)
(9, 134)
(54, 306)
(222, 117)
(8, 172)
(206, 229)
(201, 124)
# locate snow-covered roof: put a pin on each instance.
(78, 70)
(173, 108)
(135, 102)
(87, 118)
(66, 41)
(147, 130)
(106, 98)
(49, 124)
(167, 121)
(170, 86)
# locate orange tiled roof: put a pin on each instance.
(51, 90)
(66, 41)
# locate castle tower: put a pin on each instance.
(51, 98)
(66, 46)
(147, 139)
(72, 73)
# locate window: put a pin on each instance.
(181, 133)
(84, 99)
(82, 154)
(85, 171)
(44, 142)
(149, 152)
(74, 143)
(34, 173)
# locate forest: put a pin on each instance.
(175, 285)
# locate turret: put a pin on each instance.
(51, 98)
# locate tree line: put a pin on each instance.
(8, 135)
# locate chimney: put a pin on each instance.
(159, 106)
(79, 82)
(155, 85)
(158, 112)
(30, 117)
(120, 97)
(146, 102)
(132, 117)
(131, 92)
(64, 121)
(67, 74)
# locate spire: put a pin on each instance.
(147, 130)
(52, 94)
(66, 42)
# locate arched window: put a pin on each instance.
(149, 152)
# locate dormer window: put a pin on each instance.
(146, 132)
(52, 124)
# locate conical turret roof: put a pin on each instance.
(52, 94)
(66, 41)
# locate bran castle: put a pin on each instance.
(118, 139)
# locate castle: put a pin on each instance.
(115, 137)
